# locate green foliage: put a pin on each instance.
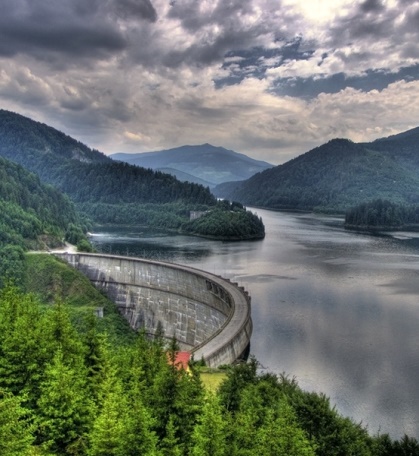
(335, 176)
(281, 434)
(382, 214)
(64, 408)
(16, 436)
(237, 378)
(32, 215)
(65, 390)
(12, 264)
(169, 216)
(23, 346)
(209, 437)
(227, 221)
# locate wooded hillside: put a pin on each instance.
(337, 175)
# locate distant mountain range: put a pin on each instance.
(337, 175)
(204, 164)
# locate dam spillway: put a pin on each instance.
(208, 315)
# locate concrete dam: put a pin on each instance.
(209, 316)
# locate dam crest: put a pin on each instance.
(208, 315)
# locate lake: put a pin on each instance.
(338, 310)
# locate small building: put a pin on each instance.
(182, 360)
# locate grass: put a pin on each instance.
(212, 378)
(52, 279)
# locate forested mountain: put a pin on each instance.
(29, 208)
(32, 215)
(84, 174)
(336, 176)
(106, 190)
(38, 146)
(205, 162)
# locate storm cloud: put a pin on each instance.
(265, 77)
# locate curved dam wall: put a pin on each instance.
(208, 315)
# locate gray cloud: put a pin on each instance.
(73, 29)
(374, 20)
(267, 77)
(139, 9)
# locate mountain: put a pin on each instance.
(32, 216)
(84, 174)
(29, 209)
(210, 164)
(109, 191)
(185, 177)
(337, 175)
(36, 145)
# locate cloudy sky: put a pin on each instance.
(269, 78)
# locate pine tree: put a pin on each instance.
(16, 436)
(64, 408)
(122, 426)
(209, 435)
(169, 445)
(23, 349)
(281, 436)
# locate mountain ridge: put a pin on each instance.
(208, 163)
(336, 175)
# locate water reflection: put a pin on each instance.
(337, 309)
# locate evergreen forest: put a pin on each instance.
(33, 216)
(382, 215)
(72, 383)
(336, 176)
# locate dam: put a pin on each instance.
(209, 316)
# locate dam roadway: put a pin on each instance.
(208, 315)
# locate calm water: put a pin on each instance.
(336, 309)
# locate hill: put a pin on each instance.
(337, 175)
(32, 216)
(205, 162)
(84, 174)
(185, 177)
(31, 211)
(105, 190)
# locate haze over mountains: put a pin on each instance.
(204, 164)
(336, 175)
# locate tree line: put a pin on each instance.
(66, 390)
(382, 214)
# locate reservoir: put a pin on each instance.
(336, 309)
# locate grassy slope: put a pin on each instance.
(53, 279)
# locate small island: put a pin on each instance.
(227, 221)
